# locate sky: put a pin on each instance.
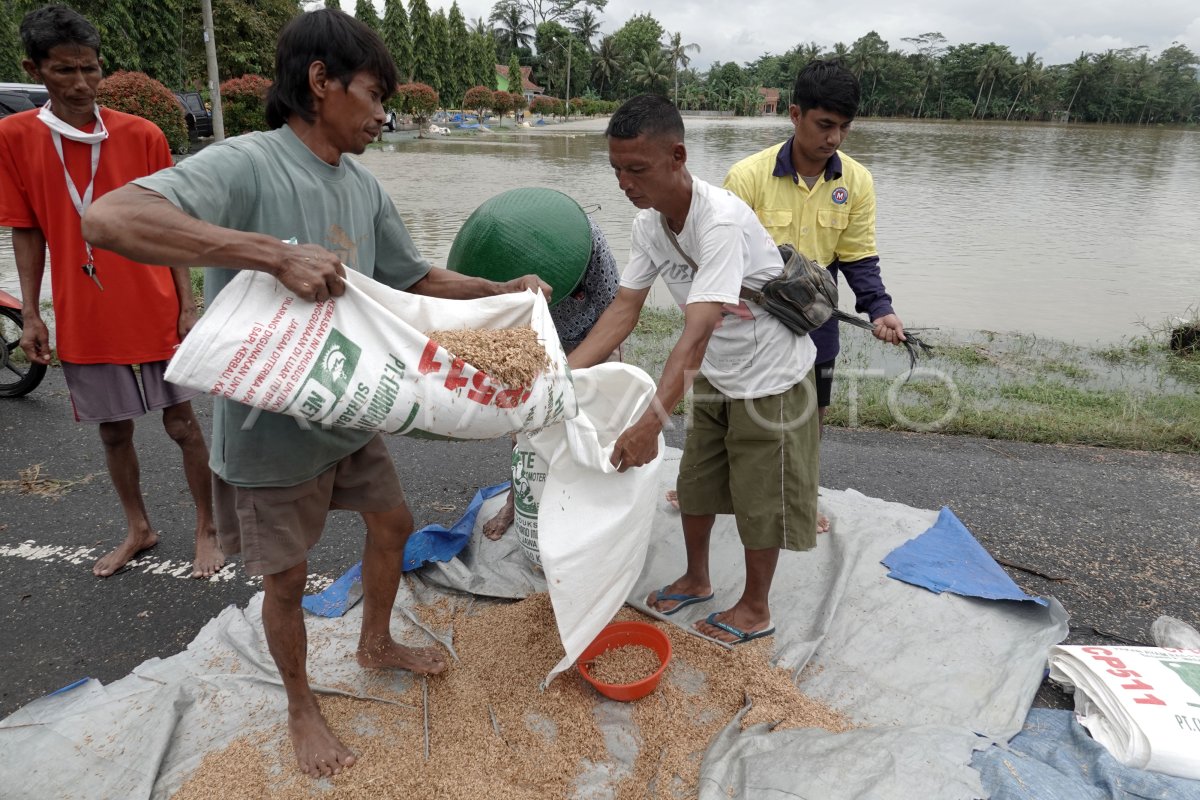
(1057, 30)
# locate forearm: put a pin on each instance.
(147, 228)
(29, 249)
(182, 278)
(450, 285)
(866, 281)
(613, 327)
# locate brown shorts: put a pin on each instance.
(113, 393)
(274, 527)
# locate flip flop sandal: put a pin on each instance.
(742, 636)
(681, 600)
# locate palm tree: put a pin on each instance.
(1029, 75)
(678, 53)
(512, 28)
(586, 26)
(1081, 69)
(806, 53)
(606, 66)
(866, 57)
(652, 71)
(996, 62)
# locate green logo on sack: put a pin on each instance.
(336, 363)
(330, 376)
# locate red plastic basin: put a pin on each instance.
(621, 634)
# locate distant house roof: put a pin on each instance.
(769, 95)
(528, 85)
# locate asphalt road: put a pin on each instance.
(1114, 535)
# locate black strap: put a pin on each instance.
(746, 294)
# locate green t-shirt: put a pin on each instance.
(272, 183)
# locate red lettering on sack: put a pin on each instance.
(455, 379)
(483, 391)
(428, 364)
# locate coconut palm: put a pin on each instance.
(1029, 75)
(997, 62)
(677, 51)
(606, 65)
(512, 27)
(586, 26)
(652, 72)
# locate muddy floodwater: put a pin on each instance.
(1085, 234)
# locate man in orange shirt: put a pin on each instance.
(110, 314)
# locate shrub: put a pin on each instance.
(138, 94)
(479, 99)
(544, 105)
(244, 104)
(502, 103)
(417, 99)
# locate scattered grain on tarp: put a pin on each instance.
(511, 356)
(494, 733)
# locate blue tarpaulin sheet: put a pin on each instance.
(947, 558)
(431, 543)
(1054, 758)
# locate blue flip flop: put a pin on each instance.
(681, 600)
(742, 636)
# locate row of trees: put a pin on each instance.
(164, 38)
(562, 42)
(932, 78)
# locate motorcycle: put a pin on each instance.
(18, 375)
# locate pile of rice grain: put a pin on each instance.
(495, 734)
(511, 356)
(624, 665)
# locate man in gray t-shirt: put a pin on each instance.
(231, 207)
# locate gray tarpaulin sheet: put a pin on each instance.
(929, 677)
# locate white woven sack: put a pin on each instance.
(362, 360)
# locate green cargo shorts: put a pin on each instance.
(756, 459)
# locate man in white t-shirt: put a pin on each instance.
(752, 445)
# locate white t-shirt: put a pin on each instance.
(751, 354)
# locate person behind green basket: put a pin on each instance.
(567, 249)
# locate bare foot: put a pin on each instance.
(681, 586)
(386, 653)
(673, 499)
(318, 752)
(822, 523)
(209, 558)
(736, 617)
(133, 544)
(496, 527)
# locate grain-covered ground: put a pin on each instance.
(493, 733)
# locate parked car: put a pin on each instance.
(12, 102)
(199, 120)
(16, 97)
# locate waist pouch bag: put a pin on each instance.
(803, 297)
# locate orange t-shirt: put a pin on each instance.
(134, 319)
